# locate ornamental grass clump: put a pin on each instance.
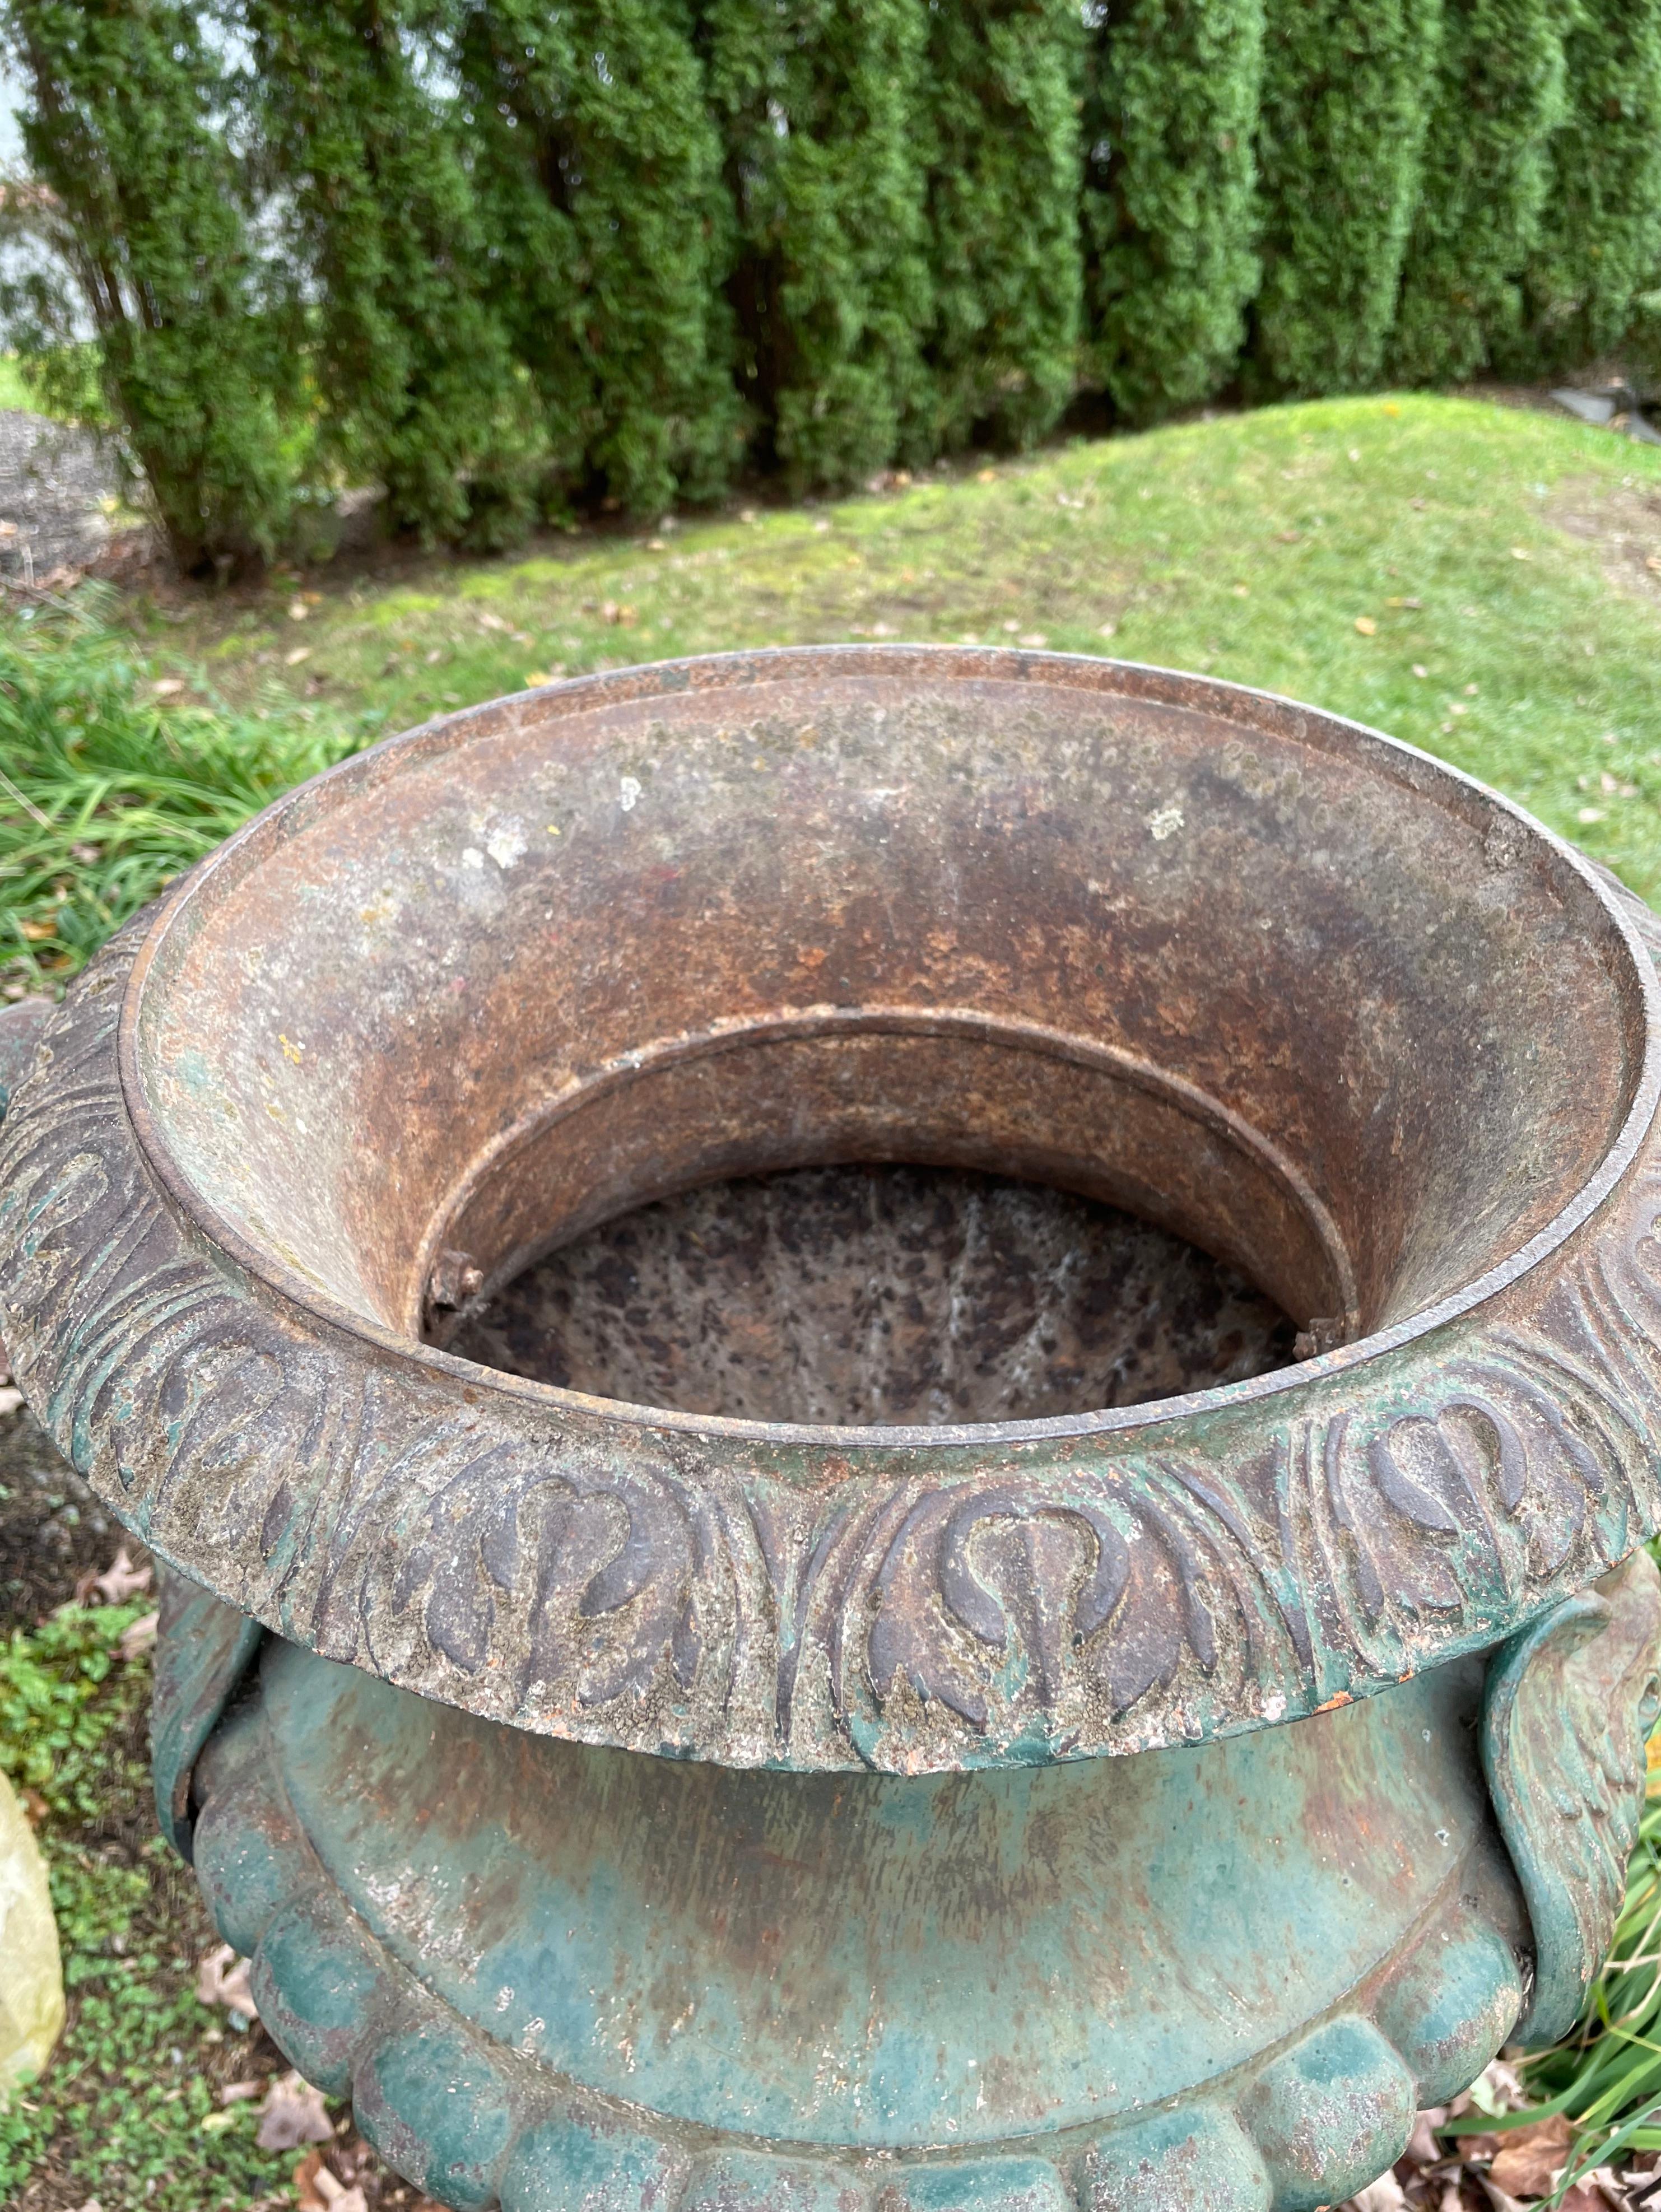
(107, 792)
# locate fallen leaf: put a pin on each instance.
(239, 2093)
(293, 2113)
(537, 675)
(293, 660)
(1385, 2195)
(1423, 2149)
(140, 1636)
(221, 1978)
(307, 2196)
(1288, 537)
(121, 1580)
(1366, 624)
(1529, 2157)
(298, 610)
(986, 476)
(1521, 553)
(1497, 2088)
(319, 2192)
(1497, 2198)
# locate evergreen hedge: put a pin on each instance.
(506, 256)
(1339, 146)
(999, 124)
(1600, 235)
(817, 104)
(146, 206)
(1497, 102)
(598, 173)
(417, 380)
(1169, 205)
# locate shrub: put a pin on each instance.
(816, 102)
(142, 204)
(598, 173)
(1339, 152)
(1498, 98)
(999, 127)
(416, 381)
(1600, 235)
(1170, 211)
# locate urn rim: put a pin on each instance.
(1142, 679)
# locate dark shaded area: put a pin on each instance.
(52, 1529)
(879, 1294)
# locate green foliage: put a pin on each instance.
(105, 792)
(54, 1723)
(146, 206)
(999, 127)
(1340, 140)
(417, 380)
(816, 103)
(1170, 207)
(1600, 238)
(127, 2111)
(1499, 96)
(599, 175)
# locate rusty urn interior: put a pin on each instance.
(1147, 1026)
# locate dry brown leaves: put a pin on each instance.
(1504, 2170)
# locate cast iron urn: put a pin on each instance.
(902, 1403)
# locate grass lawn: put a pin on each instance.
(1470, 577)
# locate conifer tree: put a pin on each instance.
(1498, 99)
(599, 176)
(147, 207)
(999, 126)
(1599, 246)
(415, 376)
(1170, 206)
(817, 104)
(1339, 153)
